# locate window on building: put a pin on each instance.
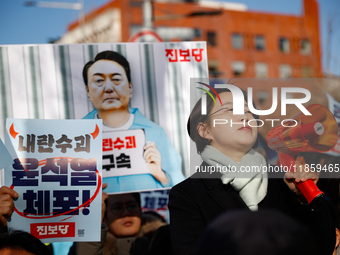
(285, 71)
(237, 41)
(284, 45)
(197, 32)
(239, 68)
(213, 68)
(260, 42)
(136, 3)
(261, 70)
(307, 72)
(211, 38)
(306, 47)
(213, 72)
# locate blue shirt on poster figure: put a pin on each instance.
(108, 84)
(171, 160)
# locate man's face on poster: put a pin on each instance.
(108, 86)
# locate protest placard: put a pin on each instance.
(57, 174)
(123, 153)
(57, 82)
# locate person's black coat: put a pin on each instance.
(196, 201)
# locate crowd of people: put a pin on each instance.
(128, 230)
(219, 213)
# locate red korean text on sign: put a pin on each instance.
(169, 52)
(197, 54)
(107, 144)
(53, 229)
(118, 144)
(184, 55)
(130, 142)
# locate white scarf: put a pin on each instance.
(252, 186)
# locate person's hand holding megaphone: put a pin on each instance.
(317, 132)
(301, 174)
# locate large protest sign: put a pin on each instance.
(57, 174)
(45, 82)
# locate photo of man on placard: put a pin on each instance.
(109, 88)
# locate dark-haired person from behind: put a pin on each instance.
(16, 242)
(242, 232)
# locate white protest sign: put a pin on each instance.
(123, 153)
(46, 82)
(57, 173)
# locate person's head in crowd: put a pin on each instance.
(16, 242)
(108, 82)
(151, 221)
(244, 232)
(161, 242)
(124, 215)
(152, 216)
(224, 137)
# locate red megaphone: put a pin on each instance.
(318, 132)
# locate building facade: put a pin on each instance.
(241, 43)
